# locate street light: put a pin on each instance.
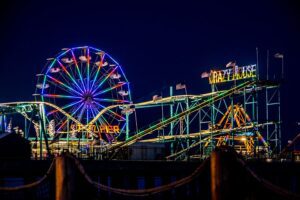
(280, 56)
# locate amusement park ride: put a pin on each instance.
(83, 104)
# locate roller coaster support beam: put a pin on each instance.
(172, 123)
(127, 125)
(187, 122)
(207, 102)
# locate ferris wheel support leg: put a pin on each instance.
(68, 133)
(41, 139)
(43, 132)
(127, 125)
(1, 124)
(25, 128)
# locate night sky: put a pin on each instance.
(158, 44)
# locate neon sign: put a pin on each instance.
(232, 74)
(108, 129)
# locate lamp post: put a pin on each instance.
(280, 56)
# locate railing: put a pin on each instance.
(223, 175)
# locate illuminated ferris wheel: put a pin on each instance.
(83, 81)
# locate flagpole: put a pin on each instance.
(280, 56)
(162, 117)
(187, 119)
(268, 64)
(257, 69)
(282, 73)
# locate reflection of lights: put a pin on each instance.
(67, 60)
(243, 138)
(269, 160)
(42, 86)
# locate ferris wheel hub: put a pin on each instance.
(88, 98)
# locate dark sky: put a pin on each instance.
(158, 44)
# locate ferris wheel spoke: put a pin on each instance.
(69, 75)
(60, 87)
(114, 113)
(87, 116)
(110, 88)
(94, 112)
(112, 100)
(62, 125)
(64, 107)
(122, 129)
(88, 69)
(78, 70)
(104, 79)
(101, 117)
(64, 120)
(81, 112)
(77, 109)
(96, 122)
(98, 70)
(72, 114)
(66, 80)
(63, 84)
(60, 96)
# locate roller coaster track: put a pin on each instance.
(205, 133)
(221, 132)
(152, 102)
(48, 104)
(212, 97)
(205, 103)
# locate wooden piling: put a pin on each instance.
(64, 179)
(215, 175)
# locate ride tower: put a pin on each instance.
(250, 129)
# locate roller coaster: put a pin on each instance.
(83, 105)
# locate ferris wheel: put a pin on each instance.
(82, 81)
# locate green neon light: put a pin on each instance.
(191, 110)
(107, 76)
(98, 70)
(70, 76)
(78, 70)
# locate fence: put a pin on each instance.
(223, 175)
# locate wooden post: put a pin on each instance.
(64, 178)
(215, 175)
